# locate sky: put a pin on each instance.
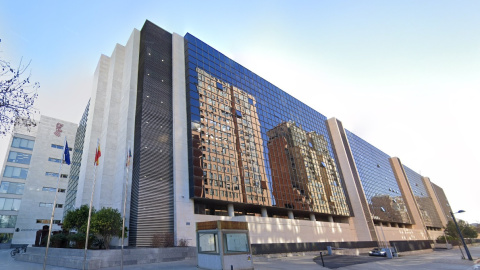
(402, 75)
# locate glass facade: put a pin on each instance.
(424, 201)
(384, 196)
(442, 199)
(76, 162)
(251, 143)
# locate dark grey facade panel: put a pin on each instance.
(152, 188)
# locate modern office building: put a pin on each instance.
(29, 179)
(212, 140)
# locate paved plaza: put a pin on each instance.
(443, 260)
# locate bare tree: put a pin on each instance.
(17, 95)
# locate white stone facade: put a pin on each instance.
(110, 123)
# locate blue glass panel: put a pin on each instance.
(273, 108)
(194, 94)
(378, 181)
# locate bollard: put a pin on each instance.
(231, 267)
(321, 256)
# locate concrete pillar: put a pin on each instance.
(312, 217)
(264, 212)
(231, 212)
(361, 221)
(408, 196)
(330, 218)
(436, 202)
(290, 214)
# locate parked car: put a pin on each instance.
(378, 252)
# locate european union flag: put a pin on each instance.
(66, 154)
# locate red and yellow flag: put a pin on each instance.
(98, 154)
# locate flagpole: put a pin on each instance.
(54, 205)
(90, 209)
(125, 204)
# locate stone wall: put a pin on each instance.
(96, 259)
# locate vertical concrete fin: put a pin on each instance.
(362, 219)
(436, 203)
(183, 206)
(408, 195)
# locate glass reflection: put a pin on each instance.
(303, 172)
(236, 117)
(381, 188)
(424, 201)
(228, 145)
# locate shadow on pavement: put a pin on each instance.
(337, 261)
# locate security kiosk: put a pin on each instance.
(224, 245)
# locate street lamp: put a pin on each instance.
(460, 233)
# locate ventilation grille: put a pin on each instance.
(152, 188)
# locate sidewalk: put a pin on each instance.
(445, 259)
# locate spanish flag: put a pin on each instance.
(98, 154)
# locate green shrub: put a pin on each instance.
(77, 240)
(58, 240)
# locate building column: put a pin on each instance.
(330, 218)
(290, 214)
(361, 220)
(264, 212)
(436, 203)
(408, 196)
(231, 210)
(184, 221)
(312, 217)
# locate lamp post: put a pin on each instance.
(460, 233)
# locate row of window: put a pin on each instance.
(24, 158)
(60, 147)
(233, 243)
(18, 188)
(9, 221)
(9, 204)
(47, 221)
(12, 188)
(56, 174)
(43, 204)
(51, 189)
(29, 144)
(21, 173)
